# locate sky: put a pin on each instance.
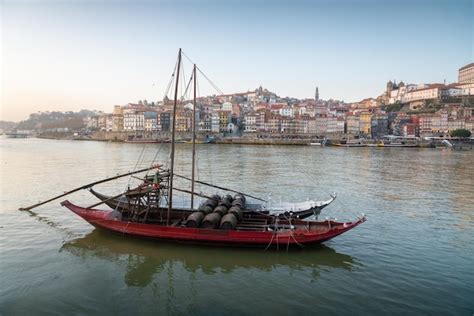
(72, 55)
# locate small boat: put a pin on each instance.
(210, 140)
(16, 135)
(401, 144)
(146, 141)
(321, 142)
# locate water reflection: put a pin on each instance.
(146, 258)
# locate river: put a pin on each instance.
(414, 255)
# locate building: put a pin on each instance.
(117, 119)
(352, 124)
(365, 123)
(286, 111)
(409, 130)
(432, 91)
(250, 123)
(133, 120)
(379, 125)
(92, 122)
(151, 121)
(320, 124)
(164, 121)
(224, 120)
(466, 74)
(205, 124)
(215, 122)
(109, 122)
(333, 125)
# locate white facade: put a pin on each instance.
(226, 106)
(133, 120)
(422, 94)
(215, 122)
(250, 123)
(286, 111)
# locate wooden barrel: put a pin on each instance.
(229, 222)
(226, 202)
(240, 197)
(239, 203)
(205, 209)
(211, 220)
(211, 202)
(222, 210)
(237, 211)
(194, 220)
(215, 197)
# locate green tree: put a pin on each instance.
(461, 132)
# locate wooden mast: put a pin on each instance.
(170, 188)
(194, 139)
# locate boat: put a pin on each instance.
(222, 220)
(16, 135)
(210, 140)
(146, 141)
(321, 142)
(265, 232)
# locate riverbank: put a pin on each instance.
(281, 140)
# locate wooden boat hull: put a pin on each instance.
(304, 233)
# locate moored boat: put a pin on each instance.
(267, 232)
(146, 141)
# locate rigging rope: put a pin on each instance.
(204, 75)
(171, 82)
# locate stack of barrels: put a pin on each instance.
(224, 212)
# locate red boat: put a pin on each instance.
(264, 232)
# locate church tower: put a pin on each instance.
(316, 94)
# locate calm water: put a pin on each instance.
(414, 255)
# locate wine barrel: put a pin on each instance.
(240, 197)
(226, 202)
(237, 211)
(239, 203)
(229, 222)
(205, 209)
(194, 220)
(222, 210)
(211, 220)
(211, 202)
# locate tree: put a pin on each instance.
(461, 132)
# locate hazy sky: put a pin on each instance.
(70, 55)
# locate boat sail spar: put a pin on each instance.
(148, 210)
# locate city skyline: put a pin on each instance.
(58, 56)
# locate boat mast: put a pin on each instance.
(170, 188)
(194, 140)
